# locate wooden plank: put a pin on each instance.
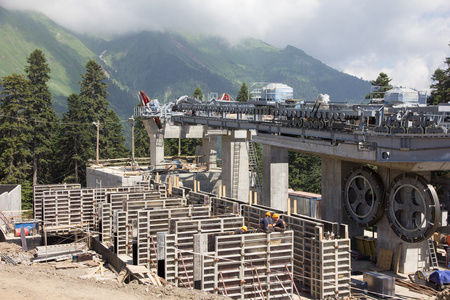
(398, 253)
(23, 239)
(384, 259)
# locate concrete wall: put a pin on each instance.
(10, 199)
(100, 177)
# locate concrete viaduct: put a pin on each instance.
(394, 193)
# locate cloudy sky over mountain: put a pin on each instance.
(407, 39)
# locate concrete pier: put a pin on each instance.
(276, 177)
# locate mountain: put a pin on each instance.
(165, 64)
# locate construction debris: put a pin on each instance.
(59, 252)
(418, 288)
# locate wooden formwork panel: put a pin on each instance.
(247, 266)
(307, 258)
(161, 188)
(71, 207)
(179, 261)
(38, 193)
(56, 208)
(150, 222)
(106, 222)
(198, 198)
(119, 200)
(221, 206)
(305, 233)
(156, 203)
(253, 214)
(123, 232)
(181, 192)
(331, 268)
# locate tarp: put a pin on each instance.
(440, 277)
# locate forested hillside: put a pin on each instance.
(164, 64)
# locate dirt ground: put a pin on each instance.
(45, 281)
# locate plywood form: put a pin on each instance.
(199, 198)
(307, 232)
(240, 260)
(221, 206)
(150, 222)
(179, 244)
(38, 193)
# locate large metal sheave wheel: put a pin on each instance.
(364, 196)
(413, 208)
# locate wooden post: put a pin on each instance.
(289, 206)
(255, 197)
(224, 194)
(295, 206)
(170, 185)
(198, 185)
(178, 181)
(195, 186)
(220, 191)
(157, 177)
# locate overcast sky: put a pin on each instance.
(407, 39)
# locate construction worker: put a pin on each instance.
(266, 223)
(240, 230)
(279, 224)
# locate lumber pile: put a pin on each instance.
(417, 288)
(58, 252)
(143, 275)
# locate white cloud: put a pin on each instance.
(407, 39)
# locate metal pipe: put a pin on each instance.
(223, 282)
(185, 271)
(259, 282)
(293, 283)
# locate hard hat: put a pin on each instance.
(244, 227)
(275, 215)
(268, 214)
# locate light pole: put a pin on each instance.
(131, 120)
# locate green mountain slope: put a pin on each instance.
(164, 64)
(22, 32)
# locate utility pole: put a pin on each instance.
(133, 165)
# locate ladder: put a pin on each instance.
(432, 252)
(236, 160)
(254, 167)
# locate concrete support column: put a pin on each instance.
(334, 172)
(275, 176)
(156, 141)
(208, 151)
(413, 257)
(235, 172)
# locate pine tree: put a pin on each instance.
(74, 139)
(141, 140)
(242, 95)
(381, 85)
(42, 115)
(440, 89)
(15, 132)
(198, 93)
(304, 172)
(112, 137)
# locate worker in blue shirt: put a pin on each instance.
(266, 223)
